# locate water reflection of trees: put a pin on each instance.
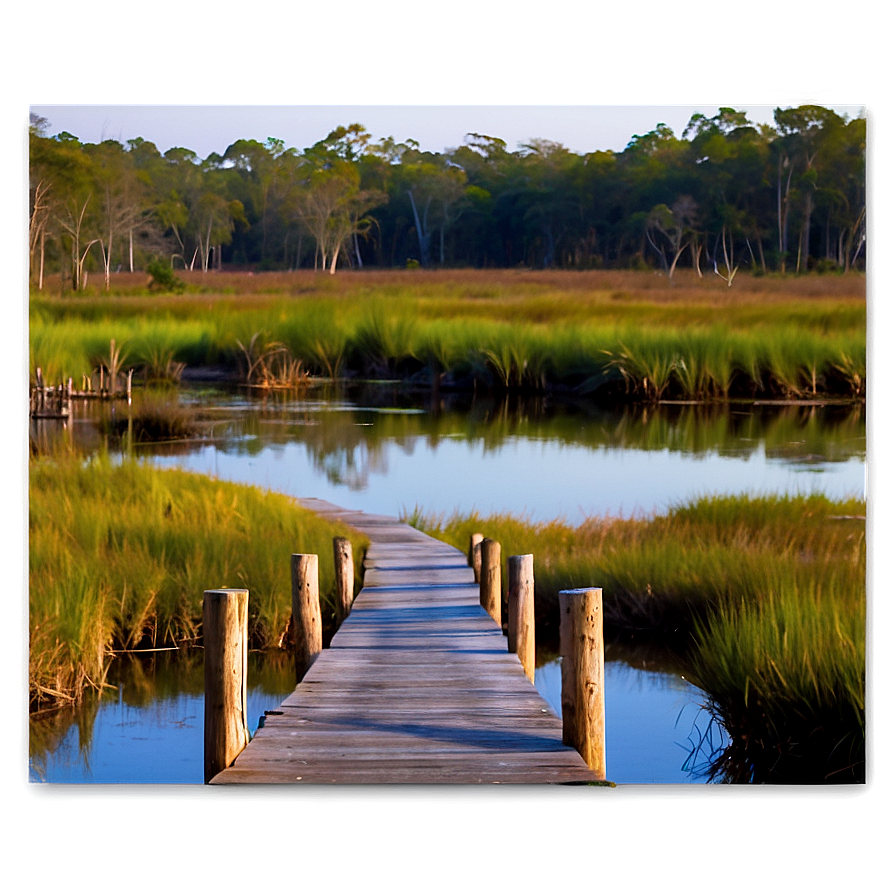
(347, 433)
(349, 443)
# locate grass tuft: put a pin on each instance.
(120, 556)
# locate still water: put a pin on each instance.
(384, 450)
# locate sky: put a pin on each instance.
(212, 128)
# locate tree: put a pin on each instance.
(120, 203)
(333, 208)
(435, 188)
(669, 229)
(213, 219)
(804, 131)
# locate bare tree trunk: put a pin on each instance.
(696, 249)
(783, 212)
(131, 249)
(804, 235)
(422, 234)
(40, 276)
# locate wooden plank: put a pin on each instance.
(416, 687)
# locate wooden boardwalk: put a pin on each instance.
(417, 686)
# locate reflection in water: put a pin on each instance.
(542, 458)
(148, 729)
(657, 731)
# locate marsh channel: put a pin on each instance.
(383, 448)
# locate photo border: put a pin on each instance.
(634, 839)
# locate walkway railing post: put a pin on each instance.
(345, 576)
(582, 675)
(474, 557)
(306, 624)
(490, 578)
(225, 634)
(521, 611)
(475, 538)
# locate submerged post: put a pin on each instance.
(345, 576)
(582, 675)
(490, 578)
(225, 633)
(306, 624)
(521, 611)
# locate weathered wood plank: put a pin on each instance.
(416, 687)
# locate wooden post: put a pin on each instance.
(345, 576)
(490, 578)
(225, 634)
(306, 624)
(130, 378)
(475, 539)
(582, 675)
(521, 611)
(476, 558)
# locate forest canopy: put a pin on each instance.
(727, 194)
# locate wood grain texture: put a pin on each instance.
(521, 611)
(225, 628)
(345, 576)
(417, 686)
(490, 578)
(582, 675)
(306, 619)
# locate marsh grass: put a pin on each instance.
(268, 364)
(786, 677)
(120, 556)
(510, 330)
(763, 598)
(153, 417)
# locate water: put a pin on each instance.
(148, 728)
(385, 451)
(537, 459)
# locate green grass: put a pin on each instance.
(787, 677)
(763, 598)
(120, 556)
(508, 330)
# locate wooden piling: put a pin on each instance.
(345, 576)
(225, 633)
(490, 578)
(475, 538)
(582, 675)
(306, 622)
(476, 559)
(521, 611)
(41, 394)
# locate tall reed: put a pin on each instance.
(510, 330)
(120, 556)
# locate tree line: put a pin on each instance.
(726, 195)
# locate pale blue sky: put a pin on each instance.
(208, 129)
